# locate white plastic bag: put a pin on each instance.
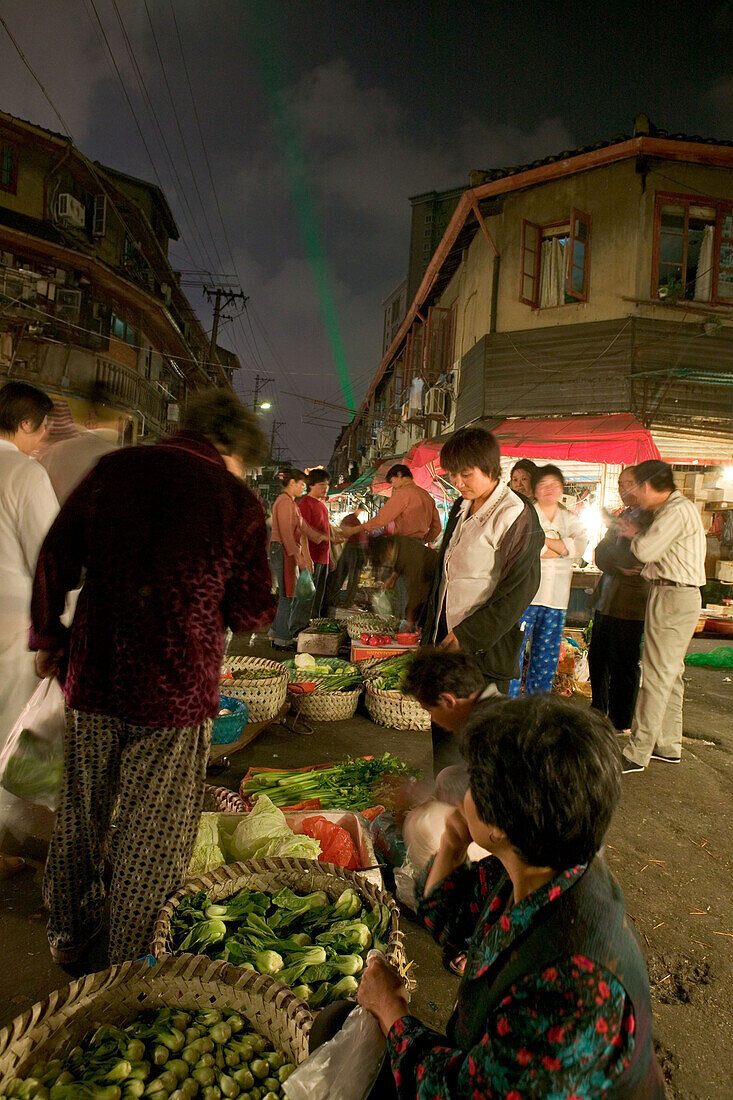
(345, 1067)
(32, 759)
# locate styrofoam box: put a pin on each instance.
(724, 571)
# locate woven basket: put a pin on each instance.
(328, 706)
(117, 996)
(220, 800)
(360, 624)
(270, 875)
(394, 710)
(264, 698)
(228, 728)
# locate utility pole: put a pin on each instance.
(260, 381)
(275, 425)
(229, 297)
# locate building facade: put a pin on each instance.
(595, 282)
(87, 292)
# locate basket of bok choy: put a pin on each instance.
(333, 686)
(261, 684)
(187, 1027)
(309, 925)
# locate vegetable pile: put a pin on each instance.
(240, 675)
(352, 785)
(163, 1055)
(390, 674)
(328, 673)
(263, 832)
(324, 626)
(314, 946)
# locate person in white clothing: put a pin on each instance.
(28, 507)
(544, 619)
(70, 459)
(672, 551)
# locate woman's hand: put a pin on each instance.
(47, 662)
(382, 992)
(452, 851)
(450, 642)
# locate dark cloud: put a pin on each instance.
(386, 100)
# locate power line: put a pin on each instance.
(28, 66)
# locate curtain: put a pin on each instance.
(553, 272)
(704, 270)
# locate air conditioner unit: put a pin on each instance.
(68, 304)
(70, 210)
(435, 403)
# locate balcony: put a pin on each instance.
(137, 394)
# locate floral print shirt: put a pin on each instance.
(563, 1034)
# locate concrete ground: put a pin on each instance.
(670, 847)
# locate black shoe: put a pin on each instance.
(666, 759)
(630, 765)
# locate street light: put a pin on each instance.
(265, 405)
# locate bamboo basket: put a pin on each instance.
(270, 875)
(116, 996)
(328, 706)
(394, 710)
(359, 624)
(223, 801)
(265, 697)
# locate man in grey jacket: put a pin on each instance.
(672, 551)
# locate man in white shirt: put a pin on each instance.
(672, 550)
(68, 461)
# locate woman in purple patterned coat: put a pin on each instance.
(554, 1001)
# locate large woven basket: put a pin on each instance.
(270, 875)
(359, 624)
(328, 706)
(265, 697)
(394, 710)
(117, 996)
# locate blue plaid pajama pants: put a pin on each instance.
(543, 627)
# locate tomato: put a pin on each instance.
(365, 639)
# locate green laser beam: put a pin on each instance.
(301, 194)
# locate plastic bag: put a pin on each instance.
(720, 657)
(304, 586)
(345, 1067)
(32, 759)
(381, 605)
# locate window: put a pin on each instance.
(122, 330)
(693, 249)
(555, 262)
(8, 167)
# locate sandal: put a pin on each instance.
(455, 963)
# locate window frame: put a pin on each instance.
(535, 277)
(688, 199)
(10, 188)
(577, 216)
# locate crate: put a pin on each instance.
(320, 645)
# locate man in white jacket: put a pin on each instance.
(28, 507)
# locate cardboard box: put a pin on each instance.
(320, 645)
(364, 652)
(724, 571)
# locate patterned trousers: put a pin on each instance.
(153, 780)
(544, 626)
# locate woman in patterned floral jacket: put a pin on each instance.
(554, 1002)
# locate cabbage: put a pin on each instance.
(207, 851)
(265, 832)
(304, 660)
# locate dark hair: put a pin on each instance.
(291, 474)
(315, 477)
(659, 475)
(471, 447)
(525, 464)
(398, 470)
(547, 471)
(378, 547)
(547, 773)
(19, 402)
(434, 671)
(224, 419)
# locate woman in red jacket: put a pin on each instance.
(288, 552)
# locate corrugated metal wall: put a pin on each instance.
(470, 403)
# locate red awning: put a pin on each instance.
(618, 439)
(614, 439)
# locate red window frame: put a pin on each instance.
(11, 187)
(686, 199)
(530, 264)
(578, 217)
(437, 353)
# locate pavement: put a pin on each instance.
(670, 847)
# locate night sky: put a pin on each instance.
(321, 117)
